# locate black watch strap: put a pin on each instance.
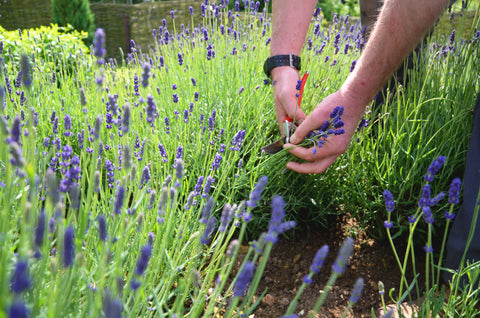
(281, 60)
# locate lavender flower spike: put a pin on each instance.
(40, 229)
(26, 71)
(343, 255)
(102, 227)
(69, 247)
(18, 310)
(276, 225)
(257, 192)
(112, 307)
(357, 291)
(20, 280)
(454, 192)
(389, 203)
(227, 215)
(119, 198)
(142, 263)
(211, 224)
(434, 167)
(243, 279)
(99, 46)
(319, 258)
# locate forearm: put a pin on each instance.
(291, 19)
(400, 27)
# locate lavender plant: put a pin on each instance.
(435, 300)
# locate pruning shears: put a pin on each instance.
(288, 125)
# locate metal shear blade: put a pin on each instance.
(277, 146)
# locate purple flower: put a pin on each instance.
(352, 67)
(227, 215)
(216, 161)
(119, 198)
(179, 152)
(126, 118)
(175, 98)
(191, 10)
(180, 59)
(241, 90)
(20, 280)
(243, 279)
(208, 184)
(17, 159)
(142, 262)
(307, 280)
(389, 203)
(99, 46)
(151, 109)
(16, 130)
(102, 227)
(18, 310)
(198, 186)
(428, 248)
(343, 255)
(135, 85)
(146, 73)
(163, 152)
(97, 126)
(427, 214)
(206, 210)
(135, 284)
(40, 229)
(145, 176)
(167, 125)
(357, 291)
(449, 215)
(69, 247)
(454, 192)
(337, 112)
(412, 219)
(256, 194)
(388, 224)
(425, 200)
(211, 224)
(436, 199)
(299, 85)
(434, 167)
(112, 307)
(179, 168)
(276, 225)
(26, 71)
(319, 258)
(172, 14)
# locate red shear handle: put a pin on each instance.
(300, 94)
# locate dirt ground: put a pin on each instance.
(290, 260)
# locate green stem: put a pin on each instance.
(324, 295)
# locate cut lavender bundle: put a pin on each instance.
(331, 127)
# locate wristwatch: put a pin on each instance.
(281, 60)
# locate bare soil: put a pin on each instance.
(373, 260)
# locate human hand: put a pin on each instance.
(284, 94)
(318, 161)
